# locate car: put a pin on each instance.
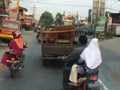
(7, 27)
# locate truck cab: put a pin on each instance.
(8, 26)
(27, 24)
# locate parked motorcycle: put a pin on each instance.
(85, 82)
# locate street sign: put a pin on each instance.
(100, 24)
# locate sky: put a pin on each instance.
(67, 6)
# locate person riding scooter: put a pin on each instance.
(16, 46)
(73, 58)
(91, 56)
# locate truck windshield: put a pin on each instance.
(11, 25)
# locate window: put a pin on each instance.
(11, 25)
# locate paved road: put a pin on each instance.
(36, 77)
(110, 67)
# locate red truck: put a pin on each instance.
(28, 24)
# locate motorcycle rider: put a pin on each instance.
(16, 46)
(73, 58)
(38, 31)
(92, 58)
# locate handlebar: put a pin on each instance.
(25, 45)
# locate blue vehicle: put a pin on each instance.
(88, 30)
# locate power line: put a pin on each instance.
(46, 3)
(34, 9)
(65, 4)
(59, 4)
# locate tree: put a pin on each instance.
(58, 19)
(46, 19)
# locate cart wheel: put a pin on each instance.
(0, 40)
(44, 62)
(39, 41)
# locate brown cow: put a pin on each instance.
(56, 37)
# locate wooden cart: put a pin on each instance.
(57, 43)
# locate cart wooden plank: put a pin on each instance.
(61, 31)
(57, 50)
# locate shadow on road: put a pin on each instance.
(54, 64)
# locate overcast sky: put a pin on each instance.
(69, 6)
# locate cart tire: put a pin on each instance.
(44, 62)
(39, 41)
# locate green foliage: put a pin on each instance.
(46, 19)
(58, 19)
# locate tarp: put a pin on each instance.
(13, 9)
(14, 6)
(2, 3)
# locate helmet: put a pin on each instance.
(16, 34)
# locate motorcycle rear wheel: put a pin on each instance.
(12, 73)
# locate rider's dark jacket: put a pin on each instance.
(74, 56)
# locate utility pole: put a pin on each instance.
(95, 14)
(98, 11)
(34, 9)
(98, 8)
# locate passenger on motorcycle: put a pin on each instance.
(15, 47)
(91, 55)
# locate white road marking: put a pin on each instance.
(103, 85)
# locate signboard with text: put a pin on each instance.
(100, 24)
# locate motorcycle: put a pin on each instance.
(85, 82)
(15, 64)
(38, 36)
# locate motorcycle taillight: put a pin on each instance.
(12, 58)
(94, 78)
